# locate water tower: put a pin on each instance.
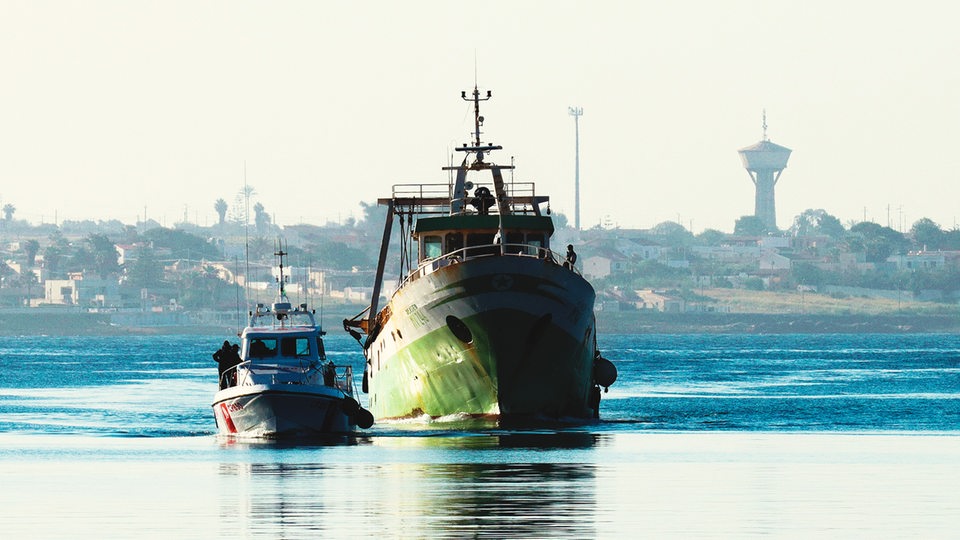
(764, 162)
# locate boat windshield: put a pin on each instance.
(263, 348)
(295, 346)
(288, 347)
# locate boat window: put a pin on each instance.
(534, 241)
(454, 242)
(295, 346)
(432, 247)
(320, 352)
(481, 244)
(263, 347)
(514, 241)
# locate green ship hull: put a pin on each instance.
(498, 336)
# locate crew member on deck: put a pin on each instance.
(227, 358)
(234, 362)
(571, 257)
(222, 357)
(329, 374)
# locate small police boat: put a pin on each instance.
(283, 384)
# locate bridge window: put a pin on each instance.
(263, 348)
(454, 242)
(481, 244)
(534, 241)
(295, 346)
(514, 241)
(432, 247)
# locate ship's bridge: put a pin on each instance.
(474, 235)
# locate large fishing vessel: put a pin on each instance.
(489, 321)
(280, 383)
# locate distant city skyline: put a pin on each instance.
(114, 110)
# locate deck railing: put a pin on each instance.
(437, 199)
(428, 266)
(252, 373)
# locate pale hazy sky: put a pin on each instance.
(108, 109)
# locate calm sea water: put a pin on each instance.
(701, 436)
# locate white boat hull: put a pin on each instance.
(280, 410)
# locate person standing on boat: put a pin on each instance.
(222, 357)
(329, 374)
(234, 362)
(571, 257)
(227, 357)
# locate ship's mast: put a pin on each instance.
(280, 253)
(478, 147)
(477, 119)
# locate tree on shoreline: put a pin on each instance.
(30, 249)
(145, 272)
(750, 226)
(817, 222)
(56, 253)
(105, 255)
(221, 207)
(927, 234)
(261, 218)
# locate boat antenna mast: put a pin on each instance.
(477, 147)
(280, 253)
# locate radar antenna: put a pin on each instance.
(477, 119)
(478, 147)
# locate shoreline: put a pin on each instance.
(775, 323)
(59, 323)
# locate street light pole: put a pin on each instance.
(576, 113)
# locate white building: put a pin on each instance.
(82, 291)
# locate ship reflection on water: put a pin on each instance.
(430, 485)
(488, 485)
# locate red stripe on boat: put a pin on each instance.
(226, 418)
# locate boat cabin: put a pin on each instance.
(294, 357)
(282, 342)
(468, 236)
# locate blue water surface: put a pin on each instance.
(838, 382)
(156, 386)
(702, 436)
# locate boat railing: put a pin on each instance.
(437, 199)
(423, 198)
(265, 318)
(422, 191)
(228, 378)
(344, 379)
(250, 372)
(428, 266)
(340, 377)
